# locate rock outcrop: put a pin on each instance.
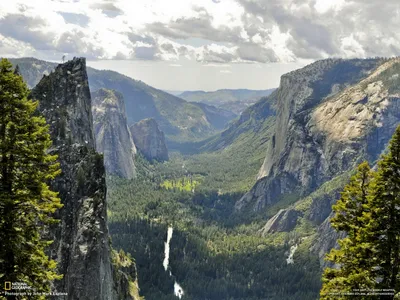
(81, 242)
(113, 137)
(325, 125)
(149, 140)
(326, 239)
(284, 220)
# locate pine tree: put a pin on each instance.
(369, 212)
(26, 202)
(383, 229)
(354, 254)
(17, 71)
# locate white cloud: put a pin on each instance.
(13, 48)
(322, 6)
(352, 48)
(217, 65)
(232, 31)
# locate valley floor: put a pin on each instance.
(215, 253)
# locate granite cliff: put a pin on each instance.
(81, 244)
(113, 137)
(330, 116)
(150, 140)
(325, 125)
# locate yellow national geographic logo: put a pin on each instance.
(7, 286)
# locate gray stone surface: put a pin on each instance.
(113, 137)
(326, 124)
(149, 140)
(331, 115)
(81, 242)
(284, 221)
(326, 239)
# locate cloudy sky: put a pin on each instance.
(200, 44)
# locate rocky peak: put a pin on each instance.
(66, 103)
(81, 242)
(323, 130)
(113, 137)
(149, 139)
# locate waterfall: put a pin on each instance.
(290, 260)
(166, 250)
(178, 290)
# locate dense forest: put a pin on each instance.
(219, 253)
(216, 253)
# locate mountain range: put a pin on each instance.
(177, 118)
(235, 100)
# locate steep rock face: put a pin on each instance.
(330, 115)
(321, 206)
(81, 242)
(326, 239)
(326, 125)
(284, 220)
(65, 102)
(113, 137)
(150, 140)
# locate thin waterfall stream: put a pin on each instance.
(178, 290)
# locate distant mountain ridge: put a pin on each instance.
(178, 119)
(234, 100)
